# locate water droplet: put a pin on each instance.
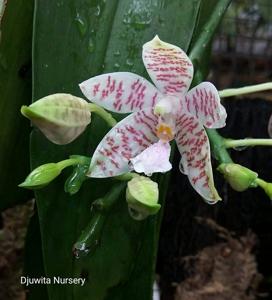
(97, 11)
(80, 250)
(117, 53)
(269, 129)
(130, 62)
(81, 24)
(136, 215)
(241, 148)
(59, 3)
(116, 66)
(46, 66)
(91, 45)
(211, 202)
(138, 17)
(181, 167)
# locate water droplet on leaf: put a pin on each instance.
(91, 45)
(117, 53)
(116, 66)
(81, 24)
(80, 250)
(97, 11)
(130, 62)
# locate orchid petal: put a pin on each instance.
(194, 147)
(121, 92)
(153, 159)
(168, 66)
(124, 141)
(203, 102)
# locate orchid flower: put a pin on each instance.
(160, 114)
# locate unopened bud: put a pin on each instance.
(60, 117)
(142, 196)
(41, 176)
(240, 178)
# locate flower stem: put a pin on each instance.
(229, 143)
(126, 176)
(218, 146)
(261, 183)
(245, 90)
(101, 112)
(73, 160)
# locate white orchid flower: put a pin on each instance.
(160, 113)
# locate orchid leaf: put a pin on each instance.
(91, 37)
(15, 90)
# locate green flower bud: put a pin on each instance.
(142, 196)
(41, 176)
(76, 179)
(240, 178)
(60, 117)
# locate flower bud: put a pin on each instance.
(240, 178)
(60, 117)
(142, 196)
(41, 176)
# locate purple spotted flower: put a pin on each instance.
(159, 114)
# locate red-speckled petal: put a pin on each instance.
(193, 145)
(126, 140)
(203, 102)
(168, 66)
(121, 92)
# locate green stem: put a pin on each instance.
(229, 143)
(126, 176)
(261, 183)
(73, 160)
(218, 146)
(91, 234)
(246, 90)
(101, 112)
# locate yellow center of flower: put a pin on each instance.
(164, 132)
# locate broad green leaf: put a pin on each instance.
(91, 37)
(15, 90)
(34, 267)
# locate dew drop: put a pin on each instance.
(241, 148)
(181, 167)
(130, 62)
(97, 11)
(117, 53)
(80, 250)
(136, 215)
(269, 128)
(81, 24)
(91, 45)
(211, 202)
(116, 66)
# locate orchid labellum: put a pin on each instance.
(160, 114)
